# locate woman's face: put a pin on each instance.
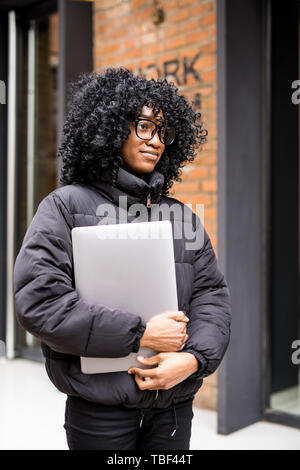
(141, 156)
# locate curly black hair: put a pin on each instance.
(100, 109)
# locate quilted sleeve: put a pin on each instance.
(46, 302)
(210, 310)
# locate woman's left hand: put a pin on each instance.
(170, 369)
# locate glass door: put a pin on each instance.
(285, 217)
(37, 124)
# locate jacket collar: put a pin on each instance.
(135, 188)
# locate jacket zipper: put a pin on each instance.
(149, 201)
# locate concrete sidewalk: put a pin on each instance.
(32, 417)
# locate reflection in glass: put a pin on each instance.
(37, 151)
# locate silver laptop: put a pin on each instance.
(127, 266)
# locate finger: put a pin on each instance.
(149, 361)
(151, 372)
(146, 384)
(183, 344)
(178, 316)
(182, 317)
(142, 372)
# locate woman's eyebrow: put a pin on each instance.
(151, 119)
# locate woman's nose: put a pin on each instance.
(155, 140)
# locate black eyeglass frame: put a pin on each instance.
(158, 128)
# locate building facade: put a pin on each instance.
(238, 64)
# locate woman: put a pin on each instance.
(124, 136)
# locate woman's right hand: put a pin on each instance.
(165, 332)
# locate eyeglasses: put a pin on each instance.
(146, 129)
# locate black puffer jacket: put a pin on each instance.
(47, 304)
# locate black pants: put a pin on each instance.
(91, 426)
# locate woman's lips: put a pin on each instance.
(151, 156)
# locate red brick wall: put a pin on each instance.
(183, 49)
